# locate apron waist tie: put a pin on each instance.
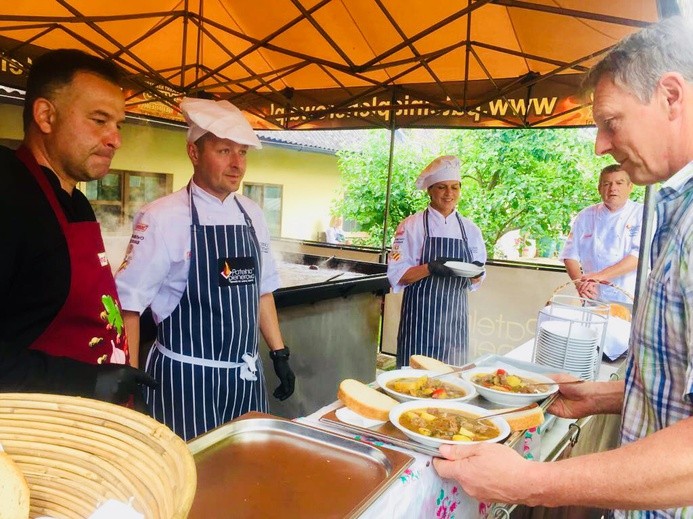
(248, 367)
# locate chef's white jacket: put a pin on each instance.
(409, 240)
(155, 269)
(600, 238)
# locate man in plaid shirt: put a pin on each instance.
(643, 109)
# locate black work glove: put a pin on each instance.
(280, 359)
(478, 264)
(116, 382)
(438, 268)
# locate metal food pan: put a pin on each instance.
(262, 466)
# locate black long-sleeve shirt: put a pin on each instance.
(34, 281)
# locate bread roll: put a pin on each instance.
(523, 419)
(365, 400)
(14, 491)
(423, 362)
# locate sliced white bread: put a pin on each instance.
(523, 419)
(14, 491)
(424, 362)
(365, 400)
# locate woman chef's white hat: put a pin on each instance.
(218, 117)
(441, 169)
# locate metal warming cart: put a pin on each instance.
(329, 314)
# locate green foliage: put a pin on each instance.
(531, 180)
(364, 180)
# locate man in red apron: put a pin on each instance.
(200, 259)
(60, 325)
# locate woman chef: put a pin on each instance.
(434, 309)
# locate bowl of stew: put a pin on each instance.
(510, 387)
(435, 423)
(408, 384)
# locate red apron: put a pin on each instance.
(89, 326)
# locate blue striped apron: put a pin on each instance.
(434, 309)
(206, 352)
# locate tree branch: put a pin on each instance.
(495, 178)
(504, 227)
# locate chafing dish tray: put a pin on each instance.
(263, 466)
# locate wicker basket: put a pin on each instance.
(76, 452)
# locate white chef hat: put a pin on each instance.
(218, 117)
(441, 169)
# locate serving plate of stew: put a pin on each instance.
(409, 384)
(511, 387)
(442, 422)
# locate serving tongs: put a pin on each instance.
(533, 405)
(366, 433)
(458, 369)
(554, 383)
(334, 277)
(319, 264)
(545, 405)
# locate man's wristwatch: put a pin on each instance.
(279, 354)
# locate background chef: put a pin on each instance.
(200, 259)
(434, 314)
(604, 242)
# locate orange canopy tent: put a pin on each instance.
(307, 64)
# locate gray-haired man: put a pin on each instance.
(643, 108)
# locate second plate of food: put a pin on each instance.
(511, 387)
(419, 384)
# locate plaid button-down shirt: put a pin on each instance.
(659, 378)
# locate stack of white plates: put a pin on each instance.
(568, 346)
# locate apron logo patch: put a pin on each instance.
(103, 259)
(236, 271)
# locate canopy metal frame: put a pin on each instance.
(269, 69)
(202, 23)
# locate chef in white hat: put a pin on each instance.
(434, 314)
(200, 259)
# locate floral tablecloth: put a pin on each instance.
(420, 493)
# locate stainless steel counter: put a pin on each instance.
(331, 325)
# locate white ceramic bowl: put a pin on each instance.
(507, 398)
(388, 376)
(463, 269)
(397, 411)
